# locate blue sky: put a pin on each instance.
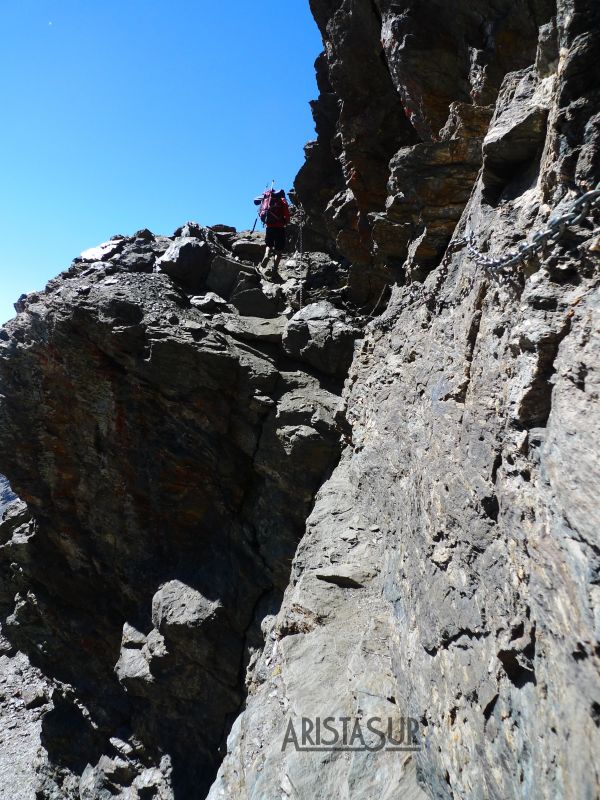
(124, 114)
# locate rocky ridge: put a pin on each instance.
(380, 504)
(184, 423)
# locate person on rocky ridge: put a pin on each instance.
(274, 213)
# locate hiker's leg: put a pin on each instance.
(270, 243)
(278, 245)
(266, 257)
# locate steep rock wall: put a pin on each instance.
(169, 442)
(406, 94)
(462, 515)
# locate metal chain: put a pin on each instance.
(378, 303)
(301, 250)
(557, 223)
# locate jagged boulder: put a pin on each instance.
(210, 303)
(322, 336)
(137, 253)
(177, 605)
(249, 248)
(188, 261)
(517, 132)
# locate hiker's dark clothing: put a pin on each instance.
(275, 237)
(274, 213)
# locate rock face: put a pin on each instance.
(452, 557)
(24, 691)
(174, 455)
(6, 494)
(322, 336)
(24, 698)
(246, 496)
(405, 99)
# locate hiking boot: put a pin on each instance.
(265, 271)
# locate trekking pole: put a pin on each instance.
(300, 245)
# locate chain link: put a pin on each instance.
(557, 223)
(300, 245)
(579, 209)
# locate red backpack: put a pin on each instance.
(272, 209)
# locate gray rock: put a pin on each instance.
(34, 696)
(7, 496)
(187, 260)
(23, 694)
(322, 336)
(464, 499)
(250, 299)
(254, 328)
(178, 605)
(220, 228)
(249, 249)
(103, 251)
(241, 466)
(517, 131)
(224, 274)
(209, 303)
(195, 547)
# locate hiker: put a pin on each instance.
(274, 213)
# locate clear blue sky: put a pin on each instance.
(124, 114)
